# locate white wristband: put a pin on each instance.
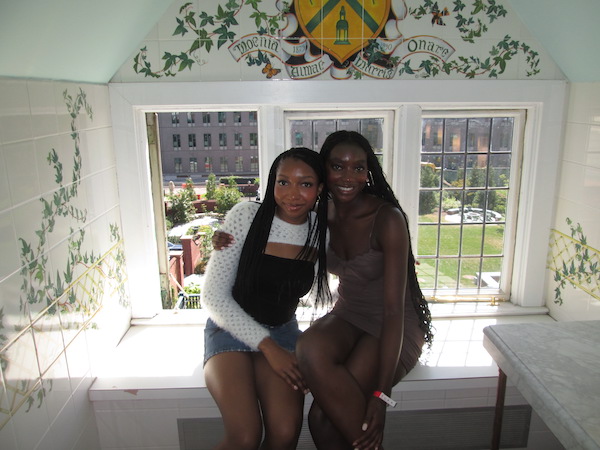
(380, 395)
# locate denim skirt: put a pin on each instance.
(217, 340)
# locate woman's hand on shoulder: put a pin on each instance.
(221, 240)
(284, 363)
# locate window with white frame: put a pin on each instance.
(469, 178)
(207, 140)
(224, 164)
(176, 142)
(192, 141)
(543, 102)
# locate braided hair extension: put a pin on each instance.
(378, 186)
(258, 235)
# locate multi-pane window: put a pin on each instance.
(252, 117)
(315, 131)
(239, 163)
(206, 118)
(253, 140)
(175, 119)
(190, 119)
(222, 117)
(224, 164)
(176, 142)
(208, 166)
(207, 140)
(193, 165)
(254, 163)
(237, 139)
(177, 165)
(192, 141)
(464, 204)
(223, 139)
(237, 118)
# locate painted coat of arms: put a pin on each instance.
(344, 39)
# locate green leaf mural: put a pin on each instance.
(80, 285)
(385, 54)
(573, 261)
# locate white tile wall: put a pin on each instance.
(578, 196)
(46, 358)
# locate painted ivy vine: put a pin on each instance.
(208, 31)
(583, 268)
(471, 26)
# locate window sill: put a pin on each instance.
(438, 311)
(162, 357)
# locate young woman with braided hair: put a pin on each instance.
(251, 291)
(353, 356)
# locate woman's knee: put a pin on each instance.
(284, 436)
(243, 439)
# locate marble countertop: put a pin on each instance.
(556, 367)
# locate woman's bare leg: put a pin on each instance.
(338, 361)
(230, 380)
(282, 407)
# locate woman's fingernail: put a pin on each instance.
(364, 427)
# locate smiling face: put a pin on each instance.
(347, 172)
(296, 190)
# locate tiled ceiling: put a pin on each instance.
(89, 40)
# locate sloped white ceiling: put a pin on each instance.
(568, 31)
(74, 40)
(89, 40)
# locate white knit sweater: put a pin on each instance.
(221, 272)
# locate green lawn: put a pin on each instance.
(449, 246)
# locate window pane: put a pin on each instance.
(478, 135)
(312, 133)
(450, 236)
(447, 273)
(432, 135)
(502, 133)
(455, 133)
(499, 170)
(426, 273)
(472, 239)
(428, 238)
(429, 206)
(453, 170)
(464, 193)
(494, 240)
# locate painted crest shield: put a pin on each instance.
(341, 27)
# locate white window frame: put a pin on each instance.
(388, 116)
(519, 124)
(543, 100)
